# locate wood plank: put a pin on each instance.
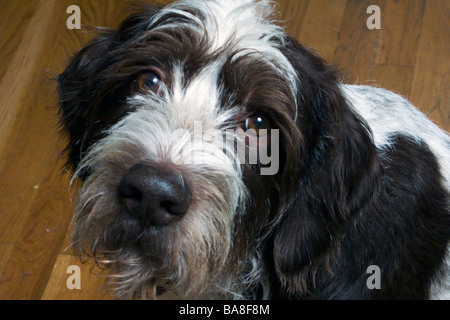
(293, 15)
(35, 251)
(431, 83)
(400, 32)
(91, 282)
(357, 46)
(26, 129)
(321, 29)
(18, 76)
(5, 254)
(393, 77)
(16, 24)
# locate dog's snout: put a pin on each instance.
(155, 197)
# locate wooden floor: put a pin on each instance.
(409, 55)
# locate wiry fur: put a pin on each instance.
(146, 137)
(356, 187)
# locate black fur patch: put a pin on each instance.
(404, 230)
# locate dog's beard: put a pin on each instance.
(185, 257)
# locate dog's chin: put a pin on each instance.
(144, 261)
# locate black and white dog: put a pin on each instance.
(165, 115)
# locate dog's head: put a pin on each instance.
(212, 147)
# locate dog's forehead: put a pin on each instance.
(203, 36)
(223, 20)
(234, 27)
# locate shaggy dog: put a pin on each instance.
(220, 158)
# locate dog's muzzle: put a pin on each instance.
(154, 195)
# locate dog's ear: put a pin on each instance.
(76, 88)
(338, 173)
(81, 81)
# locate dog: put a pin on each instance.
(357, 178)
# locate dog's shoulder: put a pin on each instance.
(389, 114)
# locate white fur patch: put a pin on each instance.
(388, 114)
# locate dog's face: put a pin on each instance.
(156, 111)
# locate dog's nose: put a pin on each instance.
(156, 198)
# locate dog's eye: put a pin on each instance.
(148, 82)
(258, 123)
